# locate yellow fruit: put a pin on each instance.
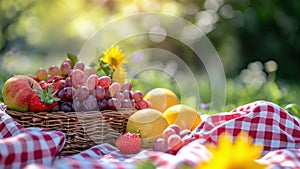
(150, 123)
(161, 99)
(182, 115)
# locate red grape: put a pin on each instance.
(69, 61)
(66, 107)
(54, 70)
(127, 86)
(104, 81)
(68, 82)
(77, 105)
(77, 78)
(175, 127)
(65, 68)
(114, 88)
(79, 65)
(66, 94)
(167, 133)
(175, 142)
(160, 145)
(114, 104)
(41, 74)
(89, 71)
(126, 94)
(91, 82)
(102, 104)
(107, 94)
(120, 97)
(142, 104)
(138, 95)
(185, 132)
(99, 93)
(71, 71)
(126, 103)
(48, 76)
(81, 93)
(90, 103)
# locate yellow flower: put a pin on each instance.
(113, 56)
(239, 155)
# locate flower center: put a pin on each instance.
(114, 62)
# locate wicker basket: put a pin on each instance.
(82, 129)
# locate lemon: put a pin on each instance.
(161, 98)
(184, 116)
(150, 123)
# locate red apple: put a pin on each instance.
(17, 91)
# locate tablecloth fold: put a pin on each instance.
(21, 146)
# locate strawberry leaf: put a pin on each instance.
(56, 99)
(50, 89)
(47, 96)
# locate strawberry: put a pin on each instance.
(44, 85)
(43, 100)
(58, 85)
(129, 143)
(55, 79)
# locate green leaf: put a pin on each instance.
(73, 58)
(50, 89)
(50, 101)
(56, 99)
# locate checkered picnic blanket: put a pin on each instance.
(267, 123)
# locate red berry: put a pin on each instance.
(37, 105)
(58, 85)
(44, 85)
(129, 143)
(55, 79)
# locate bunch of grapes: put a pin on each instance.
(173, 139)
(80, 89)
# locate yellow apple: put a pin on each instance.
(149, 123)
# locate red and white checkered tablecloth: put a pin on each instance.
(21, 146)
(267, 123)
